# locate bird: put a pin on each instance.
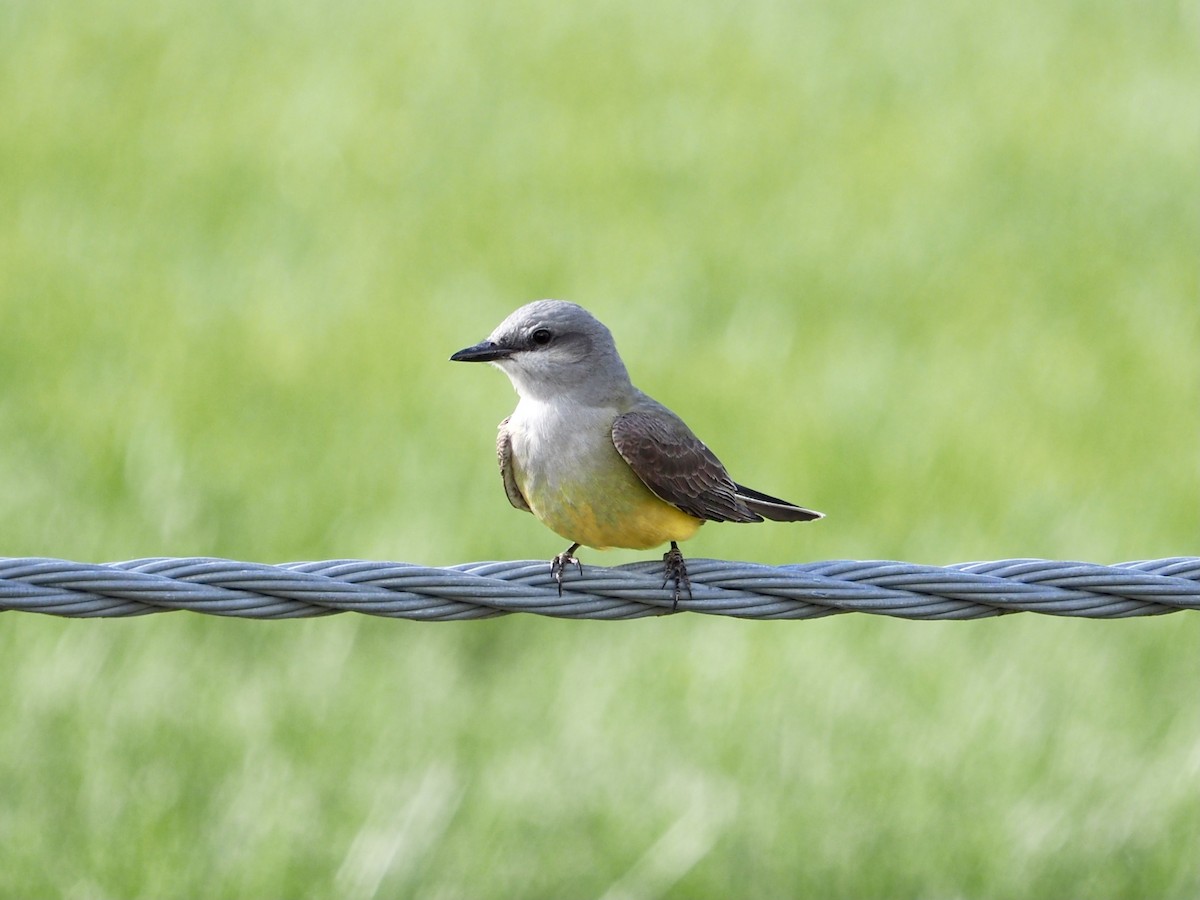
(595, 459)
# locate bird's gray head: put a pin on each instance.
(551, 348)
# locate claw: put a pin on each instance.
(559, 564)
(674, 569)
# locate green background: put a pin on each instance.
(927, 266)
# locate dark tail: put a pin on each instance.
(774, 508)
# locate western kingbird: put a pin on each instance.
(594, 458)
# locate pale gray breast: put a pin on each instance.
(557, 443)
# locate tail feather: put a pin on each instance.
(773, 508)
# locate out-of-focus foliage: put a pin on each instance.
(928, 267)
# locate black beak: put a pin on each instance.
(484, 351)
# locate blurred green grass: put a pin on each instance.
(930, 268)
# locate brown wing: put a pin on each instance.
(677, 467)
(504, 457)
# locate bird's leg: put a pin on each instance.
(560, 563)
(675, 569)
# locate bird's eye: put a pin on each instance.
(541, 337)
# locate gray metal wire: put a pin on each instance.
(481, 590)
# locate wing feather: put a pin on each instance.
(504, 457)
(677, 466)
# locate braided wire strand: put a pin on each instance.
(485, 589)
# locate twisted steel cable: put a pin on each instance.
(485, 589)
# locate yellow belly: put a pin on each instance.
(651, 524)
(621, 512)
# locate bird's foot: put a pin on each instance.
(559, 564)
(675, 569)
